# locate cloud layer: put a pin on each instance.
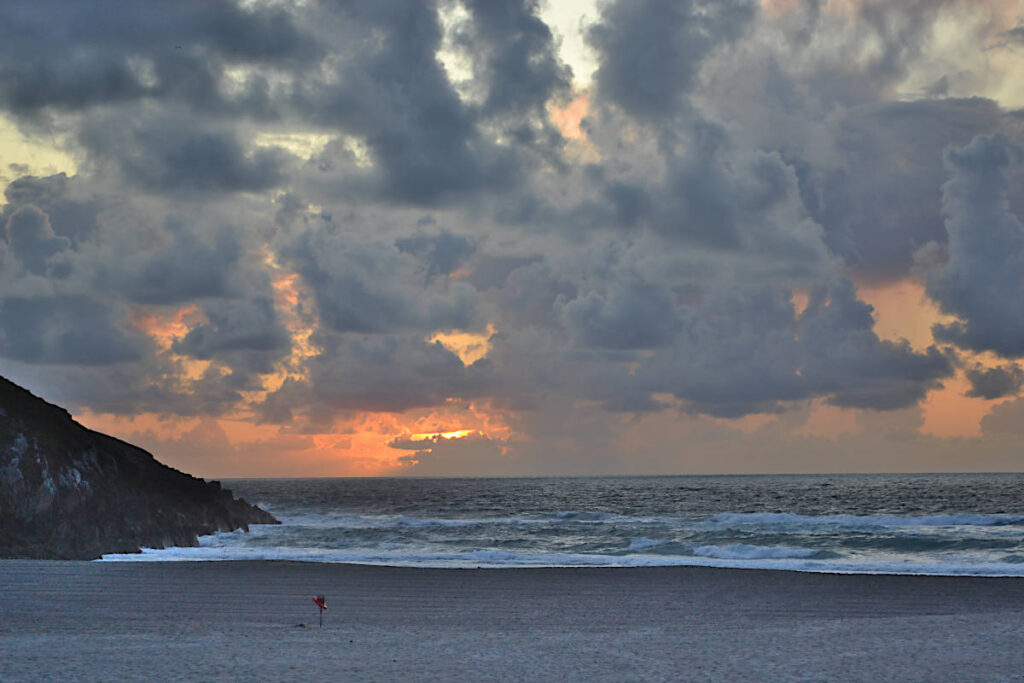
(285, 213)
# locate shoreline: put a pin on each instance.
(226, 620)
(127, 558)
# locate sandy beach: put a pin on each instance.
(241, 620)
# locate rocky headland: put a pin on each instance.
(67, 492)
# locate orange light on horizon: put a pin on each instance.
(447, 436)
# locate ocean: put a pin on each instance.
(945, 524)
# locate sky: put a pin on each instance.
(503, 237)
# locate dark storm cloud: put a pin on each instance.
(183, 268)
(371, 287)
(993, 383)
(72, 330)
(650, 51)
(70, 215)
(730, 158)
(818, 88)
(245, 333)
(884, 202)
(169, 154)
(844, 358)
(749, 352)
(71, 56)
(32, 241)
(442, 253)
(393, 93)
(390, 373)
(983, 282)
(636, 316)
(518, 67)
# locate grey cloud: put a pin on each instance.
(370, 287)
(732, 160)
(735, 355)
(392, 92)
(817, 88)
(489, 271)
(528, 295)
(171, 154)
(32, 240)
(72, 213)
(519, 68)
(391, 373)
(65, 330)
(184, 268)
(650, 51)
(885, 147)
(129, 388)
(247, 328)
(71, 56)
(844, 358)
(474, 456)
(748, 352)
(442, 253)
(983, 282)
(1016, 34)
(637, 316)
(993, 383)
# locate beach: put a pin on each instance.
(257, 621)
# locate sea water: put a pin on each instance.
(969, 524)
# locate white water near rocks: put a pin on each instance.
(911, 524)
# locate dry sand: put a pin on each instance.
(239, 620)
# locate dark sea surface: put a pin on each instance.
(970, 524)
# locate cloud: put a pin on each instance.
(238, 332)
(182, 268)
(650, 51)
(64, 57)
(748, 352)
(70, 214)
(302, 195)
(993, 383)
(473, 456)
(73, 330)
(364, 286)
(443, 253)
(391, 92)
(380, 373)
(168, 154)
(634, 316)
(32, 241)
(514, 52)
(983, 282)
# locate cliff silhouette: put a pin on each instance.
(67, 492)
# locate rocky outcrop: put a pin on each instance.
(67, 492)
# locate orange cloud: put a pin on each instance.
(568, 118)
(165, 326)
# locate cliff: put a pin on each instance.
(67, 492)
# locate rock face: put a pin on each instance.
(67, 492)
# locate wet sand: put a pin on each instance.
(240, 620)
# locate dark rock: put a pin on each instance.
(67, 492)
